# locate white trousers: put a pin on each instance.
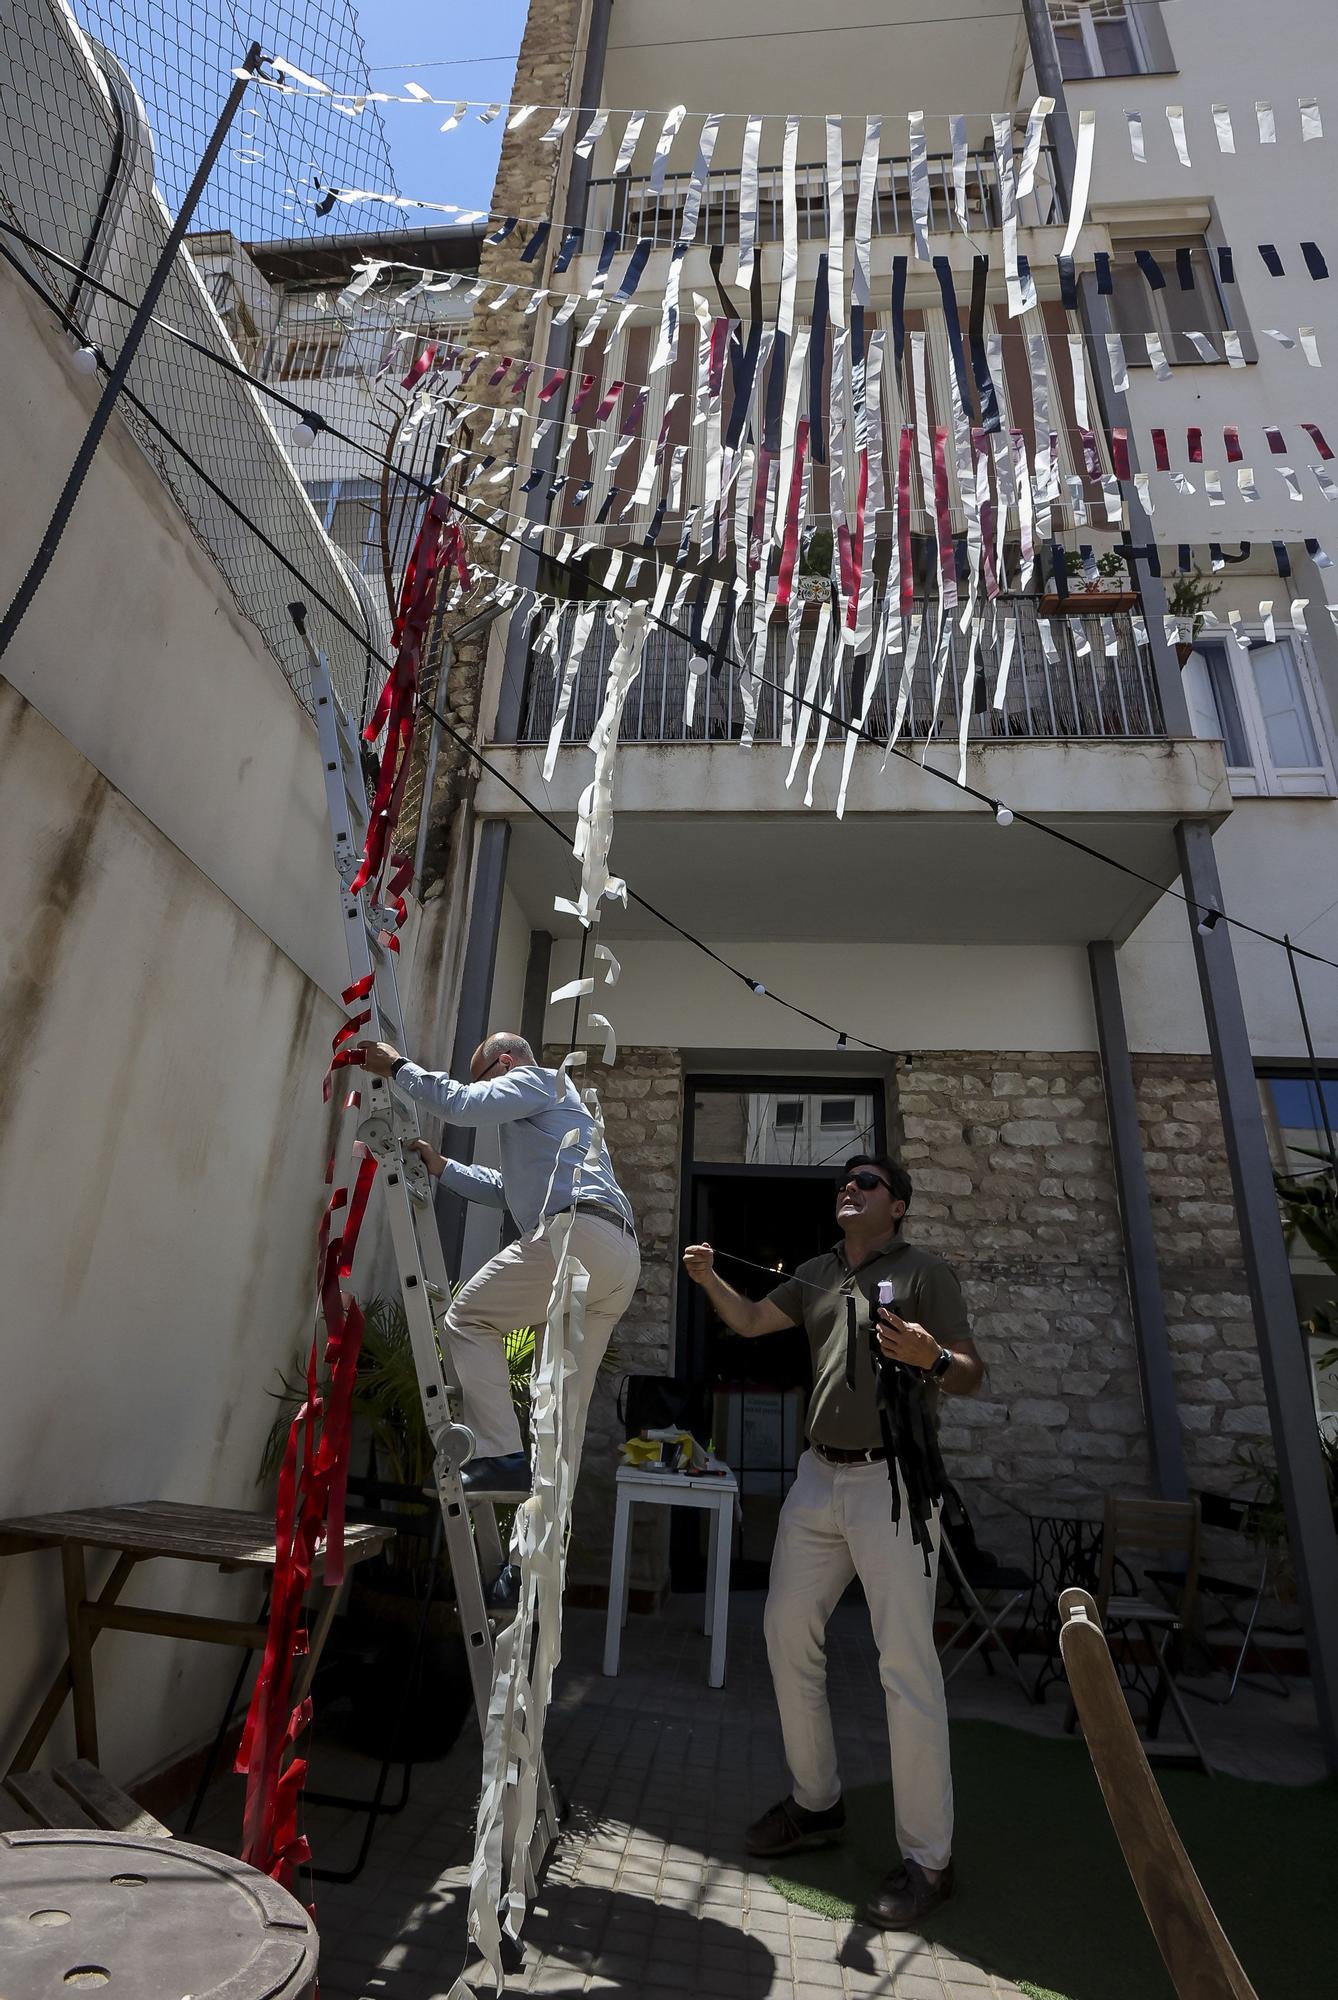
(511, 1291)
(836, 1524)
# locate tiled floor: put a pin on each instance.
(649, 1895)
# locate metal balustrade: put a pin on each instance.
(1083, 694)
(629, 205)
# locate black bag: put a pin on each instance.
(661, 1402)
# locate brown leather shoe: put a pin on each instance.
(906, 1897)
(789, 1826)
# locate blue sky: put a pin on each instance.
(477, 46)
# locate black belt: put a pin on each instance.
(612, 1215)
(836, 1455)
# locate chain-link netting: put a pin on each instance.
(104, 119)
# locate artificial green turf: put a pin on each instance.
(1043, 1896)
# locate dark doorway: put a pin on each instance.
(761, 1156)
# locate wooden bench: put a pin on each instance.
(73, 1795)
(1193, 1944)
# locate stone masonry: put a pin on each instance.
(1014, 1184)
(642, 1098)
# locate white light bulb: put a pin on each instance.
(758, 987)
(304, 431)
(85, 360)
(1003, 816)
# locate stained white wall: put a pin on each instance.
(171, 959)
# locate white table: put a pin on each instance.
(718, 1491)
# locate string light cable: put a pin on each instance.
(1208, 917)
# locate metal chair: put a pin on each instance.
(1220, 1510)
(1168, 1529)
(982, 1589)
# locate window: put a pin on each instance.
(309, 356)
(1098, 38)
(838, 1113)
(789, 1113)
(1174, 312)
(1259, 698)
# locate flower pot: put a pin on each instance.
(1087, 603)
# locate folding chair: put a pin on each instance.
(1219, 1510)
(974, 1576)
(1170, 1529)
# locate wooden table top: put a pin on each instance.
(227, 1536)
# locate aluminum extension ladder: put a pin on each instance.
(387, 1128)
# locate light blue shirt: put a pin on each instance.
(532, 1120)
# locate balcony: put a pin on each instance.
(1083, 695)
(630, 206)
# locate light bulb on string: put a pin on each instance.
(1002, 814)
(1209, 922)
(84, 360)
(758, 988)
(308, 427)
(908, 1061)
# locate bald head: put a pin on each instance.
(500, 1053)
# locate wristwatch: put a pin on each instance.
(942, 1365)
(396, 1067)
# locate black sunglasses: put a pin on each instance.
(864, 1181)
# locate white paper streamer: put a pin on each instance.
(1203, 347)
(519, 116)
(710, 132)
(1143, 488)
(816, 660)
(1325, 482)
(1309, 345)
(1245, 483)
(960, 156)
(752, 139)
(668, 133)
(1299, 605)
(1292, 483)
(919, 177)
(1078, 370)
(584, 623)
(1031, 145)
(1212, 486)
(1161, 367)
(1082, 180)
(631, 134)
(790, 232)
(868, 180)
(593, 132)
(1003, 159)
(836, 224)
(1226, 138)
(559, 125)
(1268, 131)
(1136, 143)
(1175, 118)
(449, 124)
(1005, 662)
(1312, 125)
(1119, 368)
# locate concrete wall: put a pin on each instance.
(171, 963)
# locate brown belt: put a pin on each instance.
(835, 1455)
(606, 1215)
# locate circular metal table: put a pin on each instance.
(82, 1911)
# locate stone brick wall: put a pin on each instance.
(642, 1096)
(1014, 1184)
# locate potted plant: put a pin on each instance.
(813, 579)
(1189, 599)
(1108, 595)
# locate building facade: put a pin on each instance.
(986, 979)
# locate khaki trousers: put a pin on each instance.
(511, 1291)
(835, 1525)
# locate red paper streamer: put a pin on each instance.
(906, 557)
(1317, 438)
(1119, 453)
(790, 540)
(1161, 457)
(1194, 441)
(1231, 440)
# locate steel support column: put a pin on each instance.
(1283, 1360)
(1160, 1412)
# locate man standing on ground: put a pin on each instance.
(533, 1115)
(836, 1524)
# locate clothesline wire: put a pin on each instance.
(815, 708)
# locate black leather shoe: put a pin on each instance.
(503, 1593)
(906, 1897)
(789, 1826)
(506, 1478)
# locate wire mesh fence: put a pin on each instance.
(105, 111)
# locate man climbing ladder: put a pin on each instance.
(535, 1110)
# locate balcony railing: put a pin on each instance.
(629, 205)
(1082, 694)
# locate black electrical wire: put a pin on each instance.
(483, 521)
(470, 749)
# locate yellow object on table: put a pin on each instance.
(648, 1453)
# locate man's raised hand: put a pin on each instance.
(699, 1262)
(378, 1057)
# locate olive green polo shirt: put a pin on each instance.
(815, 1298)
